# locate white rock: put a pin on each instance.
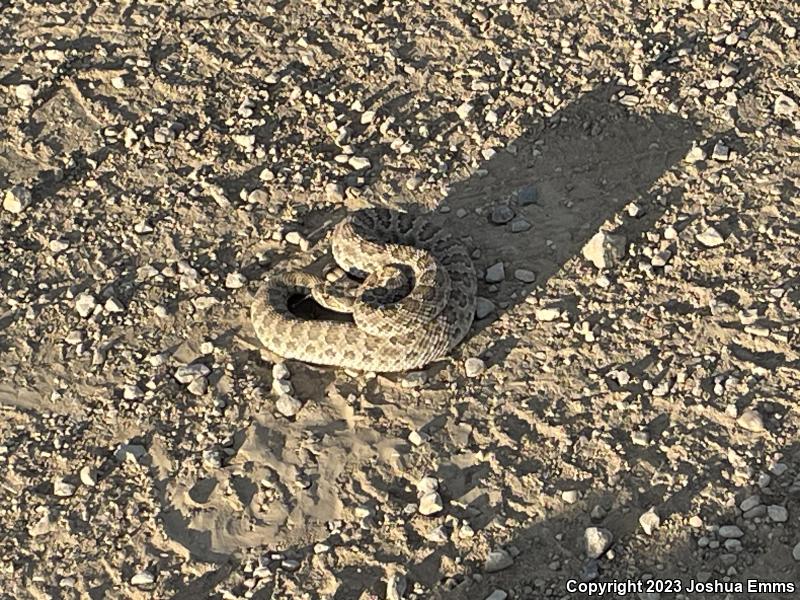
(112, 305)
(426, 485)
(395, 587)
(24, 93)
(784, 105)
(58, 245)
(650, 521)
(474, 366)
(570, 496)
(415, 438)
(696, 154)
(282, 387)
(290, 564)
(88, 476)
(198, 386)
(604, 249)
(188, 373)
(62, 489)
(287, 405)
(597, 540)
(721, 152)
(497, 595)
(280, 371)
(750, 420)
(84, 304)
(710, 238)
(16, 199)
(143, 578)
(129, 452)
(497, 561)
(430, 504)
(235, 280)
(547, 314)
(359, 162)
(796, 552)
(464, 110)
(245, 141)
(132, 392)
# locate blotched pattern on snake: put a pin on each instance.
(415, 303)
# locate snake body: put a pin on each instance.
(416, 301)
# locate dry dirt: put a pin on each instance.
(632, 166)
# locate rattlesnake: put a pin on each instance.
(416, 302)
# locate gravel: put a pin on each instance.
(626, 183)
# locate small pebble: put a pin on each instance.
(597, 541)
(235, 280)
(464, 110)
(24, 92)
(778, 513)
(430, 504)
(547, 314)
(721, 152)
(474, 366)
(62, 489)
(650, 521)
(497, 561)
(359, 162)
(750, 503)
(84, 304)
(696, 154)
(88, 476)
(750, 420)
(143, 578)
(501, 214)
(604, 249)
(287, 405)
(710, 238)
(570, 496)
(524, 275)
(16, 199)
(496, 273)
(483, 308)
(730, 531)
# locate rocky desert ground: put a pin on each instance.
(625, 405)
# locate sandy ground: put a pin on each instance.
(624, 407)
